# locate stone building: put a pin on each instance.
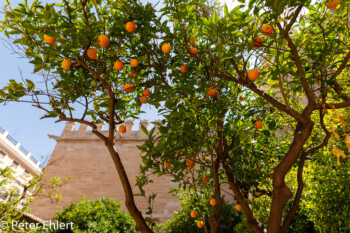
(13, 155)
(84, 157)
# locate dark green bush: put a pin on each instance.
(102, 216)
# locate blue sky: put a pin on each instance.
(22, 120)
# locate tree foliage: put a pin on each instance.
(15, 198)
(249, 132)
(16, 195)
(102, 215)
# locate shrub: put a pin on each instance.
(102, 215)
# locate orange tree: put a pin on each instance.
(83, 50)
(93, 57)
(289, 56)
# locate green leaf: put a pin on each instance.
(30, 84)
(226, 10)
(144, 129)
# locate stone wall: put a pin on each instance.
(84, 157)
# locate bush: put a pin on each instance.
(184, 223)
(102, 216)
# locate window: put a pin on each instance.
(2, 155)
(26, 173)
(15, 164)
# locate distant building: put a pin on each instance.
(12, 154)
(84, 157)
(24, 165)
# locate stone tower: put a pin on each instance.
(84, 157)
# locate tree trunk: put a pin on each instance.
(141, 225)
(281, 193)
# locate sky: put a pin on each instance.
(22, 120)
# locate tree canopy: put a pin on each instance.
(247, 94)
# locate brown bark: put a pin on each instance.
(281, 193)
(252, 222)
(141, 225)
(214, 219)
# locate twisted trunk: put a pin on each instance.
(281, 193)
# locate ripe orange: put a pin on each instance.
(212, 92)
(146, 92)
(134, 63)
(49, 39)
(66, 64)
(238, 207)
(130, 27)
(144, 99)
(271, 175)
(77, 64)
(166, 48)
(200, 224)
(253, 74)
(118, 65)
(333, 4)
(205, 180)
(122, 129)
(194, 214)
(193, 51)
(213, 202)
(189, 164)
(266, 29)
(103, 41)
(207, 159)
(183, 69)
(241, 98)
(127, 88)
(258, 42)
(92, 53)
(193, 39)
(133, 73)
(166, 164)
(258, 124)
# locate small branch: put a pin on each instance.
(68, 13)
(309, 93)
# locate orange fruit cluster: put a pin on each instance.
(130, 27)
(183, 69)
(166, 48)
(205, 180)
(212, 92)
(66, 64)
(92, 53)
(49, 39)
(134, 63)
(103, 41)
(258, 124)
(333, 4)
(194, 214)
(122, 129)
(145, 93)
(253, 74)
(193, 51)
(189, 164)
(118, 65)
(267, 30)
(258, 42)
(127, 87)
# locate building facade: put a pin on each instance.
(23, 164)
(84, 158)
